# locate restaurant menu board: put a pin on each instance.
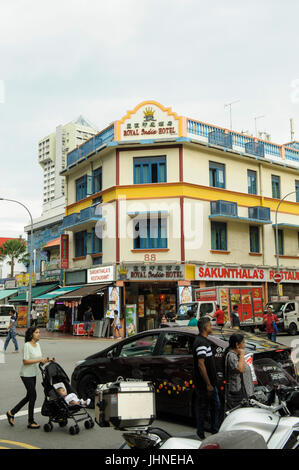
(131, 320)
(246, 304)
(206, 295)
(224, 300)
(140, 306)
(257, 302)
(185, 294)
(235, 298)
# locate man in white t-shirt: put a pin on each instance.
(33, 315)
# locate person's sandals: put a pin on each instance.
(10, 418)
(33, 425)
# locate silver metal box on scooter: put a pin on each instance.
(125, 404)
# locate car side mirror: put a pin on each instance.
(110, 354)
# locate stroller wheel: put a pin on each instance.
(91, 423)
(72, 430)
(77, 429)
(48, 427)
(87, 424)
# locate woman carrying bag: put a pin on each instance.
(30, 368)
(239, 383)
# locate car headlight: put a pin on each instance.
(80, 362)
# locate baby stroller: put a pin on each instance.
(55, 407)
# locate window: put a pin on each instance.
(96, 242)
(219, 236)
(297, 190)
(97, 180)
(81, 188)
(252, 182)
(217, 175)
(96, 261)
(150, 170)
(80, 244)
(176, 344)
(150, 233)
(143, 346)
(276, 187)
(280, 241)
(254, 239)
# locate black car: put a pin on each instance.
(164, 356)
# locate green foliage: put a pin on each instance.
(15, 251)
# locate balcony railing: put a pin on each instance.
(90, 146)
(259, 213)
(70, 220)
(224, 208)
(255, 148)
(219, 137)
(85, 215)
(292, 154)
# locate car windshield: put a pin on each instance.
(4, 311)
(184, 308)
(270, 374)
(276, 306)
(251, 342)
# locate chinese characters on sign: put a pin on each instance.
(150, 120)
(162, 272)
(64, 251)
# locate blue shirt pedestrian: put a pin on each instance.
(12, 332)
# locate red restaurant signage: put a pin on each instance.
(221, 273)
(64, 251)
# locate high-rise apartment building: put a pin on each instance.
(52, 152)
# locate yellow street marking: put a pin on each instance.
(19, 444)
(7, 448)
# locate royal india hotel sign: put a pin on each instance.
(149, 120)
(239, 274)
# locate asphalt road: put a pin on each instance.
(67, 353)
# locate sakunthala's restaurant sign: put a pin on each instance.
(239, 274)
(149, 120)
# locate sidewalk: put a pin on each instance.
(44, 334)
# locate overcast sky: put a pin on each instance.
(63, 58)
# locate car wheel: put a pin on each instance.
(293, 329)
(87, 388)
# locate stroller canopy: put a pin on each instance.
(53, 374)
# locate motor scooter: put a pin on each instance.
(273, 411)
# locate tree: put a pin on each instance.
(15, 251)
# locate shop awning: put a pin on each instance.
(7, 293)
(35, 292)
(56, 293)
(52, 243)
(84, 291)
(287, 226)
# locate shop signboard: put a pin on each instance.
(158, 272)
(22, 280)
(101, 274)
(10, 284)
(140, 306)
(114, 300)
(149, 120)
(131, 320)
(64, 251)
(185, 294)
(239, 274)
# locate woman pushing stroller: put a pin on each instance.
(32, 357)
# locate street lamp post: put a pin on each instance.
(276, 233)
(31, 254)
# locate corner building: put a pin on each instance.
(158, 202)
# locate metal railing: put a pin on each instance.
(255, 148)
(224, 208)
(91, 145)
(220, 138)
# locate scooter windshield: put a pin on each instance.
(270, 374)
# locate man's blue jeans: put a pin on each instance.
(11, 335)
(272, 337)
(207, 402)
